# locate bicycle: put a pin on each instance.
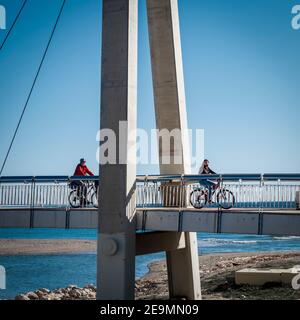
(83, 195)
(199, 197)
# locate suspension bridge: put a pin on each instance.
(146, 214)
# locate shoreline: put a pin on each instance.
(216, 272)
(14, 247)
(217, 280)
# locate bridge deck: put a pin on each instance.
(241, 221)
(238, 220)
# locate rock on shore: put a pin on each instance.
(72, 292)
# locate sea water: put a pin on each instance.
(29, 272)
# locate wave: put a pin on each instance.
(220, 242)
(215, 242)
(246, 241)
(287, 238)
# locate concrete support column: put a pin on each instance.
(170, 107)
(116, 239)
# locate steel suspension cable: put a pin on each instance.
(33, 85)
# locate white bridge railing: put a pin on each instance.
(249, 191)
(279, 191)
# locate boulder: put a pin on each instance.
(21, 297)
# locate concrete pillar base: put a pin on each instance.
(183, 270)
(116, 266)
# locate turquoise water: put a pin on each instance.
(26, 273)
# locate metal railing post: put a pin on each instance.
(32, 202)
(261, 206)
(144, 194)
(182, 193)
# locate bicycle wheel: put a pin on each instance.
(74, 199)
(198, 198)
(226, 199)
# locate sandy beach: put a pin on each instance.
(217, 277)
(45, 246)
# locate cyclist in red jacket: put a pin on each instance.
(82, 169)
(81, 186)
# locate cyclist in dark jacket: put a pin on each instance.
(205, 169)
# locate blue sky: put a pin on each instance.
(241, 66)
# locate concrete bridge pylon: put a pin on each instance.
(117, 238)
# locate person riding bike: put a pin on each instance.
(210, 185)
(199, 197)
(81, 171)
